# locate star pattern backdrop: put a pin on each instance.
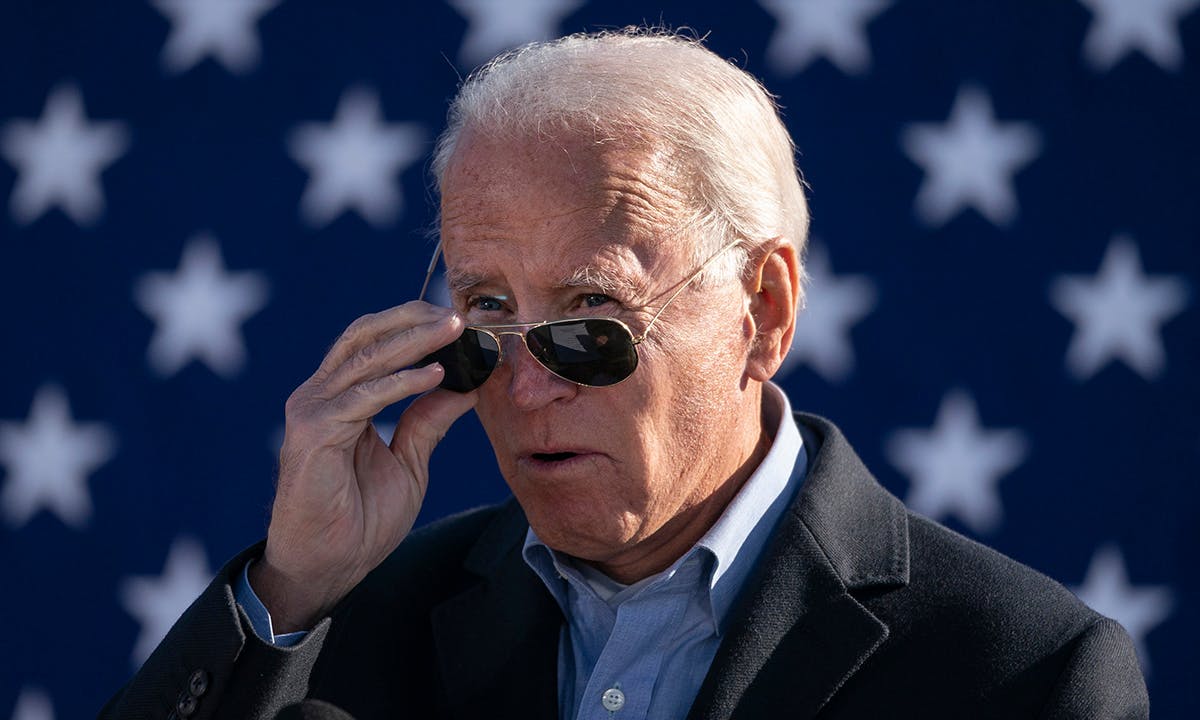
(196, 196)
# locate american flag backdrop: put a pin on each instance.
(197, 196)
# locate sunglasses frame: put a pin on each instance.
(509, 328)
(634, 341)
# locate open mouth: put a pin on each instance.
(553, 457)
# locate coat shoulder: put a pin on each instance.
(967, 582)
(974, 624)
(977, 624)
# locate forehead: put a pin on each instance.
(555, 202)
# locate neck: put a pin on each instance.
(683, 531)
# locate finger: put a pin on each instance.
(425, 423)
(383, 357)
(369, 328)
(363, 401)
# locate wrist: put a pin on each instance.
(292, 603)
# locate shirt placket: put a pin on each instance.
(623, 679)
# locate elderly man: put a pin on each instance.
(623, 229)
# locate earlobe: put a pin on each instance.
(772, 309)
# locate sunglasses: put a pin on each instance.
(593, 352)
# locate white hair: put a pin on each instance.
(652, 86)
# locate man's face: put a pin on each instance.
(556, 229)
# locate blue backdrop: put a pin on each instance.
(197, 196)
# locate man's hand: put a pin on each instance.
(345, 499)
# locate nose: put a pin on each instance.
(530, 385)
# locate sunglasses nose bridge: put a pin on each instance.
(539, 366)
(499, 335)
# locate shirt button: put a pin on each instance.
(613, 699)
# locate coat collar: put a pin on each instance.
(862, 528)
(799, 632)
(797, 635)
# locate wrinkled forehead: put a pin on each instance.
(547, 197)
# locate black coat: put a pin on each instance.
(859, 609)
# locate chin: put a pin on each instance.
(581, 528)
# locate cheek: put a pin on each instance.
(702, 364)
(697, 381)
(490, 409)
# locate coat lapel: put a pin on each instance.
(798, 633)
(497, 641)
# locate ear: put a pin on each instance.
(775, 290)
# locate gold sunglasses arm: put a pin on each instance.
(437, 253)
(639, 338)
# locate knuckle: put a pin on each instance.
(357, 329)
(411, 336)
(302, 412)
(364, 392)
(387, 387)
(385, 350)
(294, 402)
(400, 382)
(401, 340)
(365, 356)
(350, 403)
(300, 399)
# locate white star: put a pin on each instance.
(33, 704)
(59, 159)
(834, 29)
(157, 602)
(1118, 313)
(199, 309)
(1121, 26)
(1106, 590)
(955, 466)
(970, 161)
(833, 305)
(353, 161)
(494, 26)
(48, 460)
(223, 29)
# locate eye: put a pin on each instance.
(592, 300)
(485, 303)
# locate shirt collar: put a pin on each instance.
(734, 542)
(739, 537)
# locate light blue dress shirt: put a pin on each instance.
(642, 651)
(260, 617)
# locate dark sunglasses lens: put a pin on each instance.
(468, 361)
(595, 352)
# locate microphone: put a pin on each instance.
(313, 710)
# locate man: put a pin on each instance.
(679, 544)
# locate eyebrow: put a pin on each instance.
(588, 276)
(604, 281)
(460, 281)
